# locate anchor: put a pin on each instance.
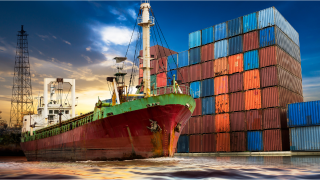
(154, 126)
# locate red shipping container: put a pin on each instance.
(236, 101)
(161, 80)
(238, 121)
(140, 61)
(208, 125)
(276, 140)
(183, 74)
(279, 97)
(236, 82)
(277, 76)
(195, 72)
(235, 63)
(207, 70)
(207, 52)
(221, 66)
(209, 142)
(274, 118)
(222, 123)
(254, 120)
(221, 85)
(251, 79)
(185, 129)
(195, 125)
(154, 66)
(157, 52)
(222, 103)
(195, 143)
(252, 99)
(250, 41)
(198, 110)
(223, 142)
(162, 65)
(238, 141)
(273, 55)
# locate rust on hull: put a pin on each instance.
(120, 137)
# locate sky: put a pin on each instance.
(79, 39)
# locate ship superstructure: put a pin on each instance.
(127, 126)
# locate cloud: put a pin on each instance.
(40, 52)
(122, 18)
(311, 88)
(54, 37)
(43, 37)
(116, 35)
(5, 98)
(87, 58)
(67, 42)
(2, 79)
(88, 48)
(2, 48)
(132, 13)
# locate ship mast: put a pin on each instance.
(146, 21)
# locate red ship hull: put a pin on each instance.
(119, 137)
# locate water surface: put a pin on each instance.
(306, 167)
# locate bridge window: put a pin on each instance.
(67, 111)
(56, 111)
(50, 111)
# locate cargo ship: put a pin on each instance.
(129, 126)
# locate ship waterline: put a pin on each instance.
(123, 136)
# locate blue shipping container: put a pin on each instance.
(208, 105)
(195, 57)
(235, 27)
(183, 59)
(305, 138)
(271, 16)
(250, 22)
(303, 114)
(195, 39)
(183, 144)
(273, 35)
(207, 88)
(255, 141)
(251, 60)
(207, 35)
(195, 89)
(221, 49)
(235, 45)
(170, 76)
(172, 62)
(220, 31)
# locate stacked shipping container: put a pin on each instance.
(304, 122)
(243, 73)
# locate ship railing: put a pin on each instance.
(171, 89)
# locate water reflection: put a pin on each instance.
(306, 167)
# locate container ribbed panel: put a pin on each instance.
(255, 140)
(305, 138)
(237, 101)
(303, 114)
(251, 60)
(220, 31)
(253, 99)
(195, 39)
(251, 79)
(222, 103)
(266, 18)
(238, 141)
(221, 49)
(234, 27)
(183, 59)
(207, 36)
(237, 121)
(250, 22)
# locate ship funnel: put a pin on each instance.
(120, 59)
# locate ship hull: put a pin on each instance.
(119, 137)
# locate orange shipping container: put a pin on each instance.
(221, 85)
(253, 99)
(222, 123)
(251, 79)
(235, 63)
(221, 66)
(222, 103)
(161, 80)
(223, 142)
